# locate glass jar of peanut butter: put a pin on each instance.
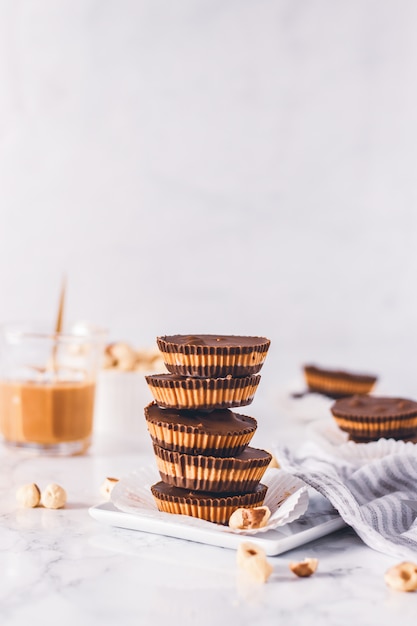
(47, 386)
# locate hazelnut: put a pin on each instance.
(107, 487)
(28, 496)
(256, 517)
(251, 558)
(304, 568)
(108, 360)
(124, 355)
(402, 577)
(54, 496)
(273, 463)
(121, 356)
(149, 360)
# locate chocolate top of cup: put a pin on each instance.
(172, 381)
(249, 457)
(339, 374)
(217, 342)
(219, 422)
(373, 407)
(168, 492)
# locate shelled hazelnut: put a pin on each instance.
(54, 496)
(256, 517)
(107, 487)
(252, 559)
(123, 357)
(28, 496)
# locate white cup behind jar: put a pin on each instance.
(121, 396)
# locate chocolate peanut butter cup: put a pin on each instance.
(213, 356)
(205, 394)
(237, 474)
(219, 433)
(212, 508)
(368, 418)
(337, 383)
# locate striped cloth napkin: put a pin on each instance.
(373, 487)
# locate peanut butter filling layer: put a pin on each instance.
(237, 474)
(180, 392)
(337, 382)
(396, 429)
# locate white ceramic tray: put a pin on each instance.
(319, 520)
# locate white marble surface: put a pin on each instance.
(64, 567)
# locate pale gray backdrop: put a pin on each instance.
(227, 166)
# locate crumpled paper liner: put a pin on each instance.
(287, 498)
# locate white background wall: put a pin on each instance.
(216, 166)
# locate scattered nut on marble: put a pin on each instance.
(54, 496)
(304, 568)
(402, 577)
(256, 517)
(107, 487)
(28, 496)
(251, 558)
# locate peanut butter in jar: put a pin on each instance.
(47, 388)
(46, 413)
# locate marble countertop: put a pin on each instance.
(63, 566)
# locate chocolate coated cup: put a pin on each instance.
(369, 418)
(337, 383)
(213, 356)
(207, 394)
(206, 506)
(218, 433)
(238, 474)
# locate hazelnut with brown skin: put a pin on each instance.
(402, 577)
(305, 568)
(256, 517)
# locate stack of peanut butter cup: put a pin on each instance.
(201, 446)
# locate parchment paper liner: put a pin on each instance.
(287, 498)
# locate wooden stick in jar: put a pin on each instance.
(59, 326)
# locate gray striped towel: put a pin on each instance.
(374, 489)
